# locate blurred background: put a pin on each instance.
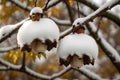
(64, 12)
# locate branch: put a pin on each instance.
(19, 4)
(89, 74)
(46, 5)
(105, 46)
(69, 11)
(108, 14)
(2, 50)
(52, 4)
(89, 18)
(8, 30)
(35, 3)
(61, 73)
(111, 53)
(61, 22)
(23, 61)
(30, 72)
(3, 68)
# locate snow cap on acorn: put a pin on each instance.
(36, 13)
(36, 10)
(77, 49)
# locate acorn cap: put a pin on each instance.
(36, 10)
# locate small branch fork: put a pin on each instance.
(8, 67)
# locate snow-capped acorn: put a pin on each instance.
(38, 34)
(36, 13)
(77, 49)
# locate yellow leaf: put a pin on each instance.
(15, 57)
(49, 13)
(56, 11)
(71, 2)
(39, 56)
(11, 53)
(41, 3)
(33, 57)
(43, 54)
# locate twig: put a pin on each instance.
(69, 11)
(108, 14)
(23, 61)
(89, 74)
(61, 73)
(17, 26)
(45, 8)
(17, 3)
(31, 72)
(35, 3)
(6, 49)
(93, 15)
(61, 22)
(51, 5)
(109, 51)
(78, 8)
(99, 24)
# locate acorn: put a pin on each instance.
(77, 49)
(38, 34)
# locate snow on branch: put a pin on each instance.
(88, 73)
(6, 49)
(3, 68)
(10, 66)
(105, 46)
(61, 22)
(18, 3)
(108, 14)
(8, 30)
(90, 17)
(24, 7)
(51, 3)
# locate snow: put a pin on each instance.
(58, 21)
(77, 44)
(115, 10)
(78, 21)
(90, 74)
(111, 49)
(107, 46)
(52, 2)
(92, 15)
(6, 49)
(5, 30)
(36, 10)
(22, 5)
(43, 29)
